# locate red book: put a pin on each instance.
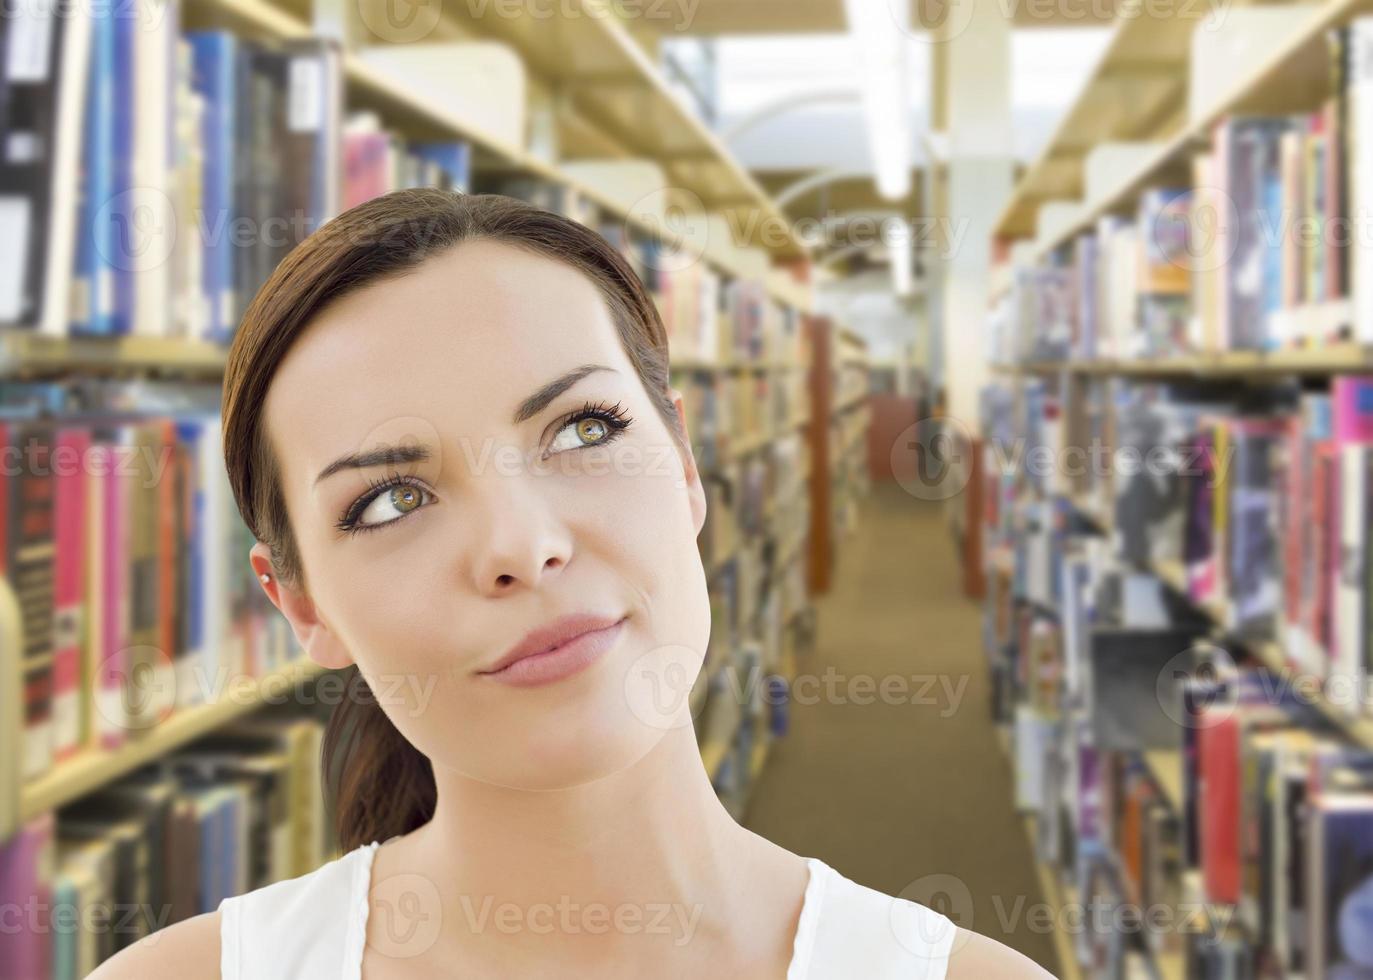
(1218, 745)
(69, 587)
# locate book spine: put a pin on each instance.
(30, 564)
(1360, 129)
(69, 588)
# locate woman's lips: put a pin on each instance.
(562, 661)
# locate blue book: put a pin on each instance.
(215, 60)
(93, 306)
(123, 233)
(454, 159)
(207, 817)
(1272, 256)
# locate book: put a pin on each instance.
(47, 54)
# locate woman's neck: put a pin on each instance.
(655, 831)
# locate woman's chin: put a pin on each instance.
(564, 760)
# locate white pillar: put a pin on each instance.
(976, 89)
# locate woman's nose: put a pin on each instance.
(521, 541)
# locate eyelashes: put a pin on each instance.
(615, 419)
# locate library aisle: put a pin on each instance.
(1026, 353)
(913, 799)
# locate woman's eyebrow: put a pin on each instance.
(415, 453)
(538, 401)
(409, 452)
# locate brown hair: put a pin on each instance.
(379, 783)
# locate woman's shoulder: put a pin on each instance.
(975, 956)
(185, 950)
(864, 931)
(293, 921)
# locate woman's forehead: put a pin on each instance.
(460, 336)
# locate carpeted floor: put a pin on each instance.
(910, 793)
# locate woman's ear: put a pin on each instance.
(320, 643)
(695, 490)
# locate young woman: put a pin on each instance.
(448, 423)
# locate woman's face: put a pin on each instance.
(515, 510)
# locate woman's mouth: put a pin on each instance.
(567, 647)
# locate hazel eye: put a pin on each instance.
(581, 432)
(401, 499)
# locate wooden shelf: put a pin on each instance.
(612, 82)
(1165, 766)
(23, 354)
(732, 366)
(1358, 727)
(93, 768)
(373, 89)
(1058, 896)
(1227, 365)
(1128, 96)
(1268, 86)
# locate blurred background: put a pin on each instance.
(1026, 347)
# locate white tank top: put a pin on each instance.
(314, 927)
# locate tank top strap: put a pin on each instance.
(311, 927)
(851, 930)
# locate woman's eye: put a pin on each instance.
(580, 432)
(392, 504)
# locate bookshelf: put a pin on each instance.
(749, 418)
(370, 87)
(94, 767)
(1284, 80)
(851, 420)
(839, 386)
(757, 574)
(1114, 328)
(616, 85)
